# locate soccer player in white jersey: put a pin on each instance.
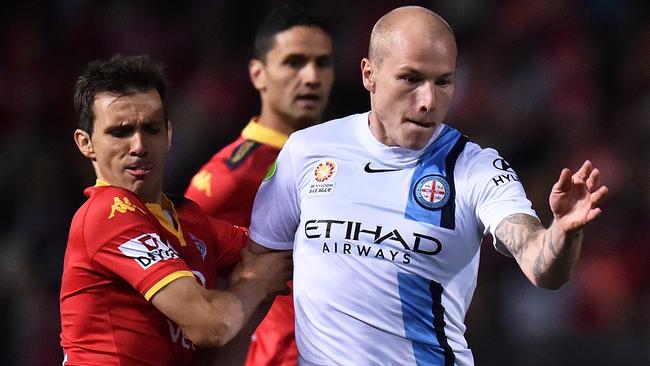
(385, 212)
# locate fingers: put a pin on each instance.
(593, 214)
(585, 170)
(593, 181)
(596, 199)
(563, 183)
(598, 196)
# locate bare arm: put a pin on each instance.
(548, 256)
(258, 249)
(212, 318)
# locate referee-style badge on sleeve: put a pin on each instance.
(432, 191)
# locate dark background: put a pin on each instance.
(548, 83)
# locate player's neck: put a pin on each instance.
(275, 122)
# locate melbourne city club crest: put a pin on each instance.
(323, 182)
(432, 191)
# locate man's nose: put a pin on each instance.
(137, 147)
(427, 97)
(311, 75)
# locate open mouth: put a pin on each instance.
(139, 170)
(308, 98)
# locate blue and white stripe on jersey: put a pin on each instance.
(436, 164)
(424, 320)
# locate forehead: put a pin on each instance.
(301, 39)
(119, 107)
(426, 53)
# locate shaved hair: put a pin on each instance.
(389, 23)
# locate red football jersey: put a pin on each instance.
(120, 252)
(225, 188)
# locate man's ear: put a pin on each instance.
(368, 75)
(257, 74)
(84, 143)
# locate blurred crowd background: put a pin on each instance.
(548, 83)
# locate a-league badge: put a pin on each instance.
(323, 180)
(432, 191)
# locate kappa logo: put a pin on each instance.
(202, 181)
(432, 191)
(122, 205)
(147, 250)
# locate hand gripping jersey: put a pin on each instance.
(225, 188)
(385, 239)
(120, 252)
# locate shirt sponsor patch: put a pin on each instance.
(147, 250)
(323, 180)
(508, 176)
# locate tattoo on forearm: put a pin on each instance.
(540, 261)
(515, 232)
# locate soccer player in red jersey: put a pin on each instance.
(140, 267)
(292, 70)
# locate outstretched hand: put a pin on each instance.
(575, 198)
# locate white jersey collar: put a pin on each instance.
(390, 156)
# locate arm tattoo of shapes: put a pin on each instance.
(516, 232)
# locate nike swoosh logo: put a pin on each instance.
(368, 169)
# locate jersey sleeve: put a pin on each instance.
(230, 240)
(496, 191)
(276, 211)
(121, 238)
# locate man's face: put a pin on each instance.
(130, 141)
(296, 78)
(411, 88)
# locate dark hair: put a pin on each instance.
(281, 19)
(119, 74)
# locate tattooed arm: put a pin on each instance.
(548, 256)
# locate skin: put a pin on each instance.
(548, 256)
(129, 143)
(295, 79)
(410, 77)
(128, 147)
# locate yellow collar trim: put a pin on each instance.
(264, 135)
(157, 210)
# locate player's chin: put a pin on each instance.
(415, 140)
(309, 116)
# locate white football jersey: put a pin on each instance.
(385, 239)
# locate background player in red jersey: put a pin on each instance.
(292, 70)
(140, 266)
